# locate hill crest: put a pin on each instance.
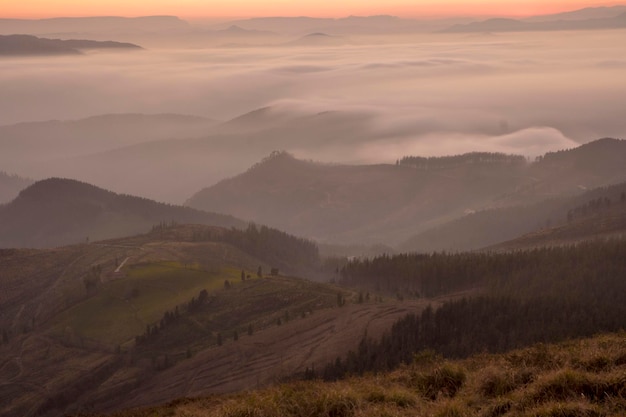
(57, 211)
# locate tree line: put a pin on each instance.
(473, 158)
(277, 248)
(541, 295)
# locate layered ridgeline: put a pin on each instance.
(56, 212)
(30, 146)
(598, 213)
(391, 203)
(190, 310)
(613, 19)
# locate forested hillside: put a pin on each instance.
(542, 295)
(439, 203)
(56, 212)
(489, 227)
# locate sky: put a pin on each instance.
(199, 9)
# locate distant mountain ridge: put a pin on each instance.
(489, 228)
(57, 212)
(389, 203)
(28, 147)
(512, 25)
(32, 45)
(581, 14)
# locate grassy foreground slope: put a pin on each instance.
(575, 378)
(177, 312)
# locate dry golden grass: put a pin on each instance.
(582, 378)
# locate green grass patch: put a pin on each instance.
(122, 308)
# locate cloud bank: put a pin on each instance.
(426, 94)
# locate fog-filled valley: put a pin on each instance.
(374, 100)
(287, 216)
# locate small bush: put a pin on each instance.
(620, 359)
(570, 384)
(397, 398)
(496, 382)
(498, 409)
(426, 358)
(445, 381)
(451, 411)
(538, 356)
(597, 364)
(305, 400)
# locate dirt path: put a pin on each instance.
(120, 266)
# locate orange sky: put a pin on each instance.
(250, 8)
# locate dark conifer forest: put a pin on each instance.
(542, 295)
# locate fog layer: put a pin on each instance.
(424, 94)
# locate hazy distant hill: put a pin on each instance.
(29, 147)
(32, 45)
(342, 203)
(597, 215)
(11, 185)
(388, 203)
(348, 25)
(319, 39)
(512, 25)
(58, 212)
(581, 14)
(490, 227)
(205, 158)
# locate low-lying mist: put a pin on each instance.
(422, 94)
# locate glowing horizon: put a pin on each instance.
(198, 9)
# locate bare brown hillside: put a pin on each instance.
(92, 326)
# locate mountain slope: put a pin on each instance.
(490, 227)
(542, 380)
(344, 203)
(178, 310)
(390, 203)
(195, 161)
(581, 14)
(512, 25)
(57, 212)
(29, 145)
(597, 219)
